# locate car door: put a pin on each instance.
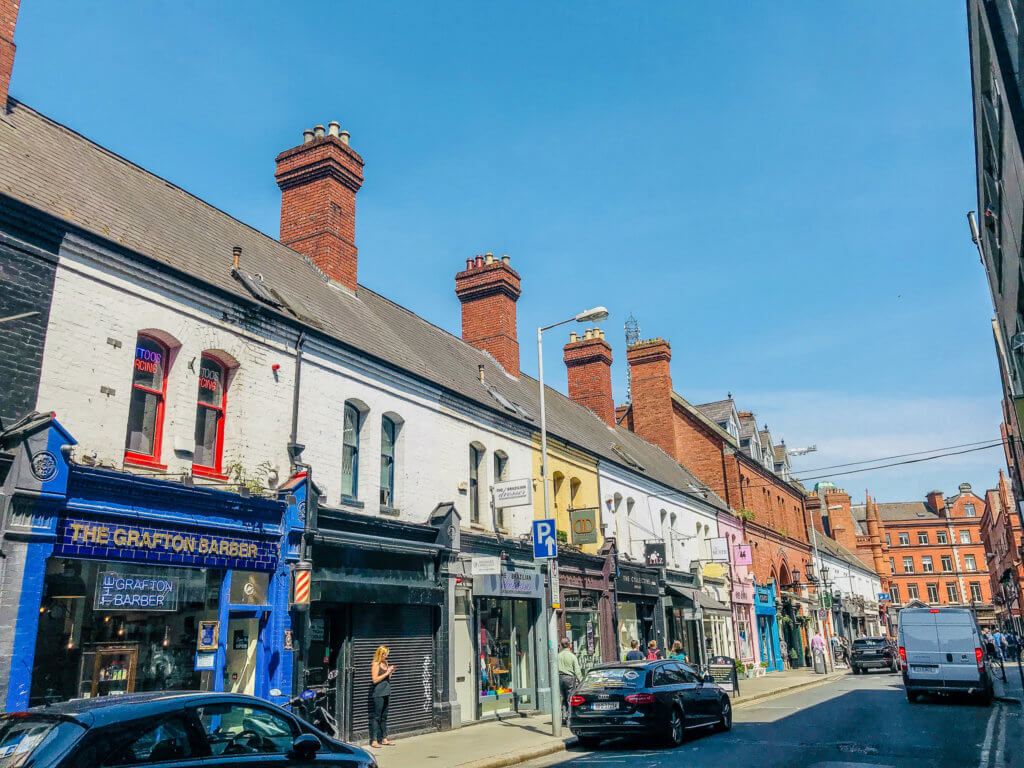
(166, 740)
(706, 695)
(671, 689)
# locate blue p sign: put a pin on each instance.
(545, 545)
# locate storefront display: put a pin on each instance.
(582, 626)
(768, 627)
(638, 594)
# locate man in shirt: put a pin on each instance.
(997, 638)
(569, 673)
(634, 653)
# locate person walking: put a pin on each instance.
(989, 643)
(634, 653)
(653, 652)
(569, 674)
(380, 697)
(997, 639)
(677, 651)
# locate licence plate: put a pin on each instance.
(604, 706)
(924, 667)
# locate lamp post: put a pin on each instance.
(595, 315)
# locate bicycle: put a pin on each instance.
(312, 705)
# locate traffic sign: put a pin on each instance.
(545, 543)
(883, 595)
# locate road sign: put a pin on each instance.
(545, 543)
(512, 493)
(883, 596)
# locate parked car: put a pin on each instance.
(662, 699)
(941, 652)
(176, 730)
(872, 653)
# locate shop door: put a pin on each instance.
(465, 679)
(408, 630)
(241, 657)
(522, 656)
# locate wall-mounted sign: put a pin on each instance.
(741, 555)
(206, 662)
(584, 526)
(485, 566)
(719, 549)
(713, 570)
(289, 643)
(77, 537)
(209, 636)
(520, 584)
(884, 596)
(742, 593)
(136, 591)
(316, 630)
(512, 493)
(654, 553)
(633, 581)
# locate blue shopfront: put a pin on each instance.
(133, 583)
(768, 627)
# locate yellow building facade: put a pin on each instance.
(572, 475)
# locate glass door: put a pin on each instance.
(241, 656)
(522, 656)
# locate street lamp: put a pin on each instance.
(594, 315)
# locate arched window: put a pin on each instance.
(500, 473)
(630, 503)
(146, 409)
(574, 490)
(388, 434)
(210, 405)
(350, 453)
(476, 458)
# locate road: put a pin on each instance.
(857, 721)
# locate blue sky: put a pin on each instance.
(777, 188)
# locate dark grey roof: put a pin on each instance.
(50, 167)
(896, 511)
(718, 411)
(780, 453)
(748, 427)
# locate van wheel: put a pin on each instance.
(912, 696)
(985, 698)
(589, 742)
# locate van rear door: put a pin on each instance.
(921, 642)
(957, 641)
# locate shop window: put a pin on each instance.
(212, 401)
(158, 744)
(388, 433)
(236, 729)
(476, 456)
(965, 537)
(506, 652)
(146, 408)
(350, 453)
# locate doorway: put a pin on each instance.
(241, 656)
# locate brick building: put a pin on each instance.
(1001, 535)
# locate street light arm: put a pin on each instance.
(554, 325)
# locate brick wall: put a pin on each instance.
(8, 18)
(651, 389)
(588, 362)
(489, 289)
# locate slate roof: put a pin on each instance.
(766, 440)
(50, 167)
(834, 549)
(718, 411)
(780, 453)
(897, 511)
(748, 427)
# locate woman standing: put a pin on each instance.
(677, 651)
(380, 695)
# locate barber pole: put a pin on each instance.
(302, 574)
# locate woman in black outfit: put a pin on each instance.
(380, 695)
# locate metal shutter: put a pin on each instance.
(408, 630)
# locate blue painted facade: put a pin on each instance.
(86, 513)
(768, 627)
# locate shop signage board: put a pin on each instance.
(485, 566)
(742, 555)
(556, 597)
(635, 582)
(723, 670)
(654, 553)
(136, 591)
(713, 570)
(512, 493)
(545, 545)
(523, 585)
(78, 537)
(584, 526)
(719, 549)
(742, 593)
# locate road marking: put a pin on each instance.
(986, 746)
(1000, 760)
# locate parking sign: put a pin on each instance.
(545, 543)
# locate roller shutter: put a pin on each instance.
(408, 630)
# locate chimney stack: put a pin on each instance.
(8, 18)
(937, 502)
(319, 180)
(489, 289)
(653, 417)
(588, 361)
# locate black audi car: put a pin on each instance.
(663, 699)
(175, 730)
(872, 653)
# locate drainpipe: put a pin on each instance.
(294, 449)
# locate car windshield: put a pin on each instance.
(20, 737)
(618, 677)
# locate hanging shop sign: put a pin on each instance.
(742, 593)
(719, 549)
(654, 553)
(512, 493)
(136, 591)
(632, 581)
(584, 526)
(742, 555)
(77, 537)
(713, 570)
(524, 585)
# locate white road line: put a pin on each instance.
(1000, 761)
(986, 747)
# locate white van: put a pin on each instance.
(941, 652)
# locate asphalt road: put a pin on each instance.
(857, 721)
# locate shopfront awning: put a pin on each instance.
(708, 603)
(683, 598)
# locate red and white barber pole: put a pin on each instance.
(302, 577)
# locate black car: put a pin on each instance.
(176, 730)
(663, 699)
(872, 653)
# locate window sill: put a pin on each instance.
(477, 527)
(134, 460)
(390, 511)
(209, 472)
(350, 502)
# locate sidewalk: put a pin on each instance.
(513, 740)
(1009, 691)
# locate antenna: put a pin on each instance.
(632, 337)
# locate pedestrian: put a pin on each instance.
(569, 673)
(1011, 645)
(997, 640)
(677, 651)
(990, 646)
(783, 648)
(653, 652)
(380, 697)
(837, 651)
(1004, 649)
(634, 653)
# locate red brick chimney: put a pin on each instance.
(588, 361)
(8, 18)
(651, 393)
(489, 289)
(319, 180)
(937, 502)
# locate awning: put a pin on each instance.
(708, 603)
(683, 598)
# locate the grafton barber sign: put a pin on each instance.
(169, 546)
(136, 592)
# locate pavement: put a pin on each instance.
(515, 740)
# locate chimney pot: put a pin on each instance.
(505, 259)
(236, 256)
(479, 261)
(344, 136)
(332, 128)
(307, 136)
(572, 337)
(318, 130)
(469, 263)
(489, 258)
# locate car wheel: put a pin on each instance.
(856, 671)
(589, 742)
(676, 728)
(725, 722)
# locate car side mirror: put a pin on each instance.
(707, 677)
(306, 746)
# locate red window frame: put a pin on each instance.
(216, 470)
(153, 460)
